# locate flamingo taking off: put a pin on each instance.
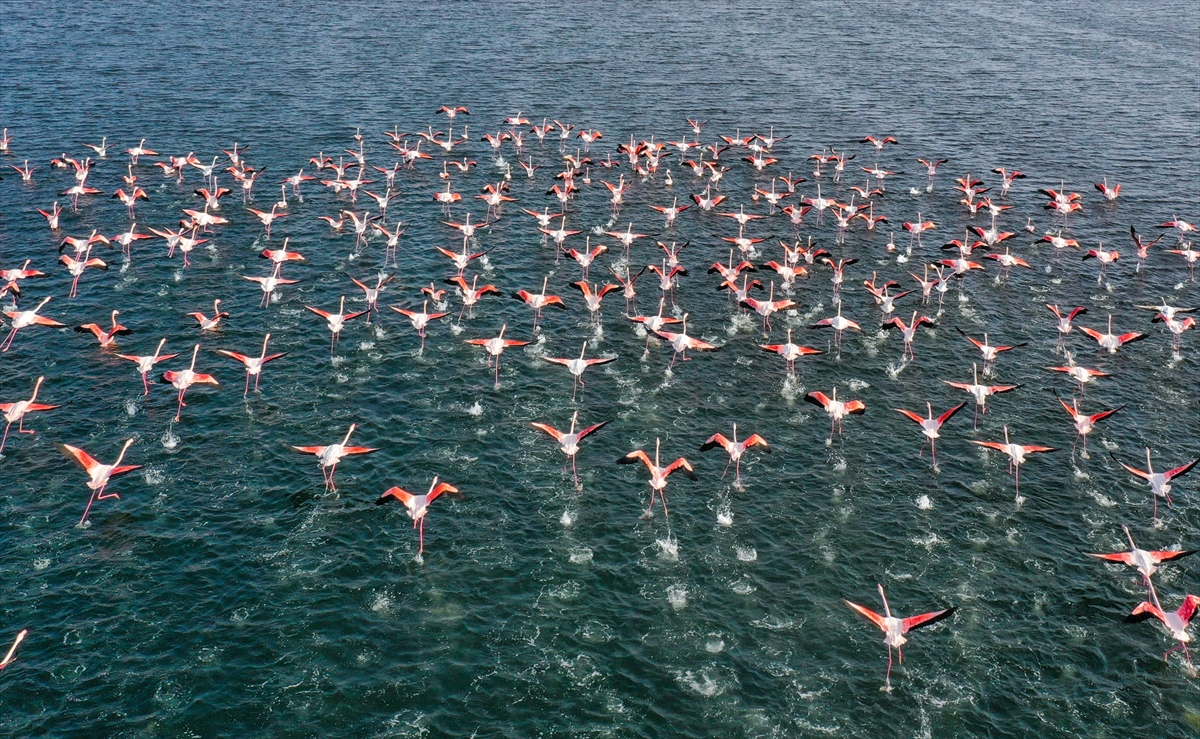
(1016, 455)
(495, 347)
(837, 409)
(931, 427)
(894, 628)
(15, 412)
(577, 366)
(98, 474)
(417, 505)
(329, 456)
(1176, 621)
(658, 474)
(184, 379)
(146, 363)
(254, 365)
(1160, 482)
(569, 441)
(336, 321)
(23, 318)
(1145, 561)
(735, 449)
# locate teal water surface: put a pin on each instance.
(227, 593)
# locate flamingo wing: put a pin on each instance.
(867, 613)
(818, 398)
(358, 449)
(85, 460)
(1188, 609)
(992, 445)
(1167, 556)
(916, 417)
(309, 449)
(856, 407)
(714, 441)
(950, 413)
(442, 487)
(1181, 470)
(1125, 557)
(399, 494)
(1136, 471)
(1144, 611)
(684, 465)
(234, 355)
(756, 440)
(592, 429)
(635, 457)
(925, 619)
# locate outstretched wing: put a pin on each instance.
(399, 494)
(714, 441)
(87, 461)
(683, 465)
(950, 413)
(916, 417)
(442, 487)
(925, 619)
(1183, 470)
(874, 617)
(549, 430)
(592, 429)
(635, 457)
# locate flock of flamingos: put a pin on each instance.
(353, 182)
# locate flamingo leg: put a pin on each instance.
(145, 385)
(574, 471)
(246, 390)
(91, 499)
(5, 439)
(421, 537)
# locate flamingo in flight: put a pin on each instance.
(577, 366)
(838, 324)
(735, 449)
(681, 342)
(980, 392)
(337, 321)
(538, 301)
(931, 427)
(1110, 341)
(1176, 621)
(1016, 455)
(837, 409)
(213, 323)
(894, 628)
(420, 319)
(99, 475)
(254, 365)
(495, 347)
(569, 441)
(658, 474)
(417, 505)
(989, 352)
(790, 352)
(22, 318)
(1160, 482)
(1082, 375)
(908, 331)
(1146, 561)
(12, 651)
(146, 363)
(184, 379)
(16, 412)
(330, 455)
(107, 338)
(1083, 422)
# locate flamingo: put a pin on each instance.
(1110, 341)
(569, 441)
(184, 379)
(420, 319)
(336, 321)
(329, 456)
(538, 301)
(1104, 257)
(417, 505)
(16, 412)
(1016, 455)
(989, 352)
(372, 293)
(99, 475)
(577, 366)
(1083, 422)
(52, 215)
(790, 352)
(766, 307)
(1110, 193)
(268, 217)
(931, 427)
(146, 363)
(1064, 323)
(908, 331)
(894, 628)
(1082, 375)
(22, 318)
(254, 365)
(980, 392)
(735, 449)
(838, 324)
(681, 342)
(107, 339)
(837, 409)
(658, 474)
(1176, 621)
(472, 294)
(495, 347)
(268, 284)
(1146, 561)
(1160, 482)
(12, 651)
(213, 323)
(76, 267)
